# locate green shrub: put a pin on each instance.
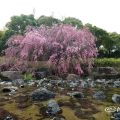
(28, 76)
(113, 62)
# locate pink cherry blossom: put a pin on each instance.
(63, 46)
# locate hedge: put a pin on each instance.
(113, 62)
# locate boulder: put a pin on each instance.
(12, 75)
(52, 107)
(72, 77)
(3, 78)
(99, 95)
(116, 98)
(41, 73)
(106, 73)
(42, 94)
(106, 70)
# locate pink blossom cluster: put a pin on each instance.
(65, 47)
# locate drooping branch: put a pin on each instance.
(64, 46)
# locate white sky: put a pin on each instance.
(102, 13)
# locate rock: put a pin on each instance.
(99, 95)
(116, 98)
(109, 83)
(18, 82)
(54, 77)
(55, 82)
(6, 90)
(3, 78)
(9, 117)
(6, 83)
(5, 115)
(62, 83)
(58, 118)
(42, 82)
(106, 70)
(73, 84)
(12, 75)
(76, 94)
(72, 77)
(101, 81)
(52, 107)
(116, 115)
(22, 86)
(42, 94)
(92, 84)
(116, 84)
(84, 84)
(41, 73)
(11, 90)
(2, 83)
(31, 83)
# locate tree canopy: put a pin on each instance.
(18, 24)
(47, 20)
(73, 21)
(102, 39)
(65, 47)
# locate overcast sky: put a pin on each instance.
(102, 13)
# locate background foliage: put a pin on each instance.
(108, 44)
